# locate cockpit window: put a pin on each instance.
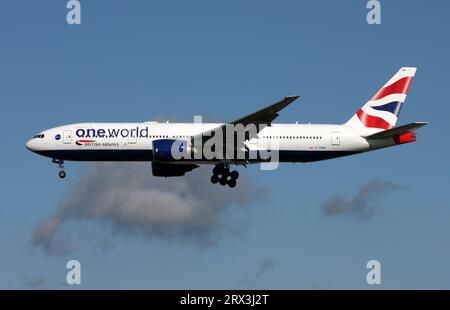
(39, 136)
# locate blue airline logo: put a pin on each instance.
(138, 132)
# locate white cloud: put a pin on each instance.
(129, 198)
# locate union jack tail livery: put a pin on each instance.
(382, 110)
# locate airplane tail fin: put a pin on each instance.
(383, 109)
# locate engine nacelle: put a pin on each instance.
(169, 150)
(170, 170)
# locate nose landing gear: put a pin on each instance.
(223, 175)
(62, 172)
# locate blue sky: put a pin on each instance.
(141, 60)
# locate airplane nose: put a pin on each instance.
(31, 145)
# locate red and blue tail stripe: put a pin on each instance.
(372, 121)
(400, 87)
(393, 107)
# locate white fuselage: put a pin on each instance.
(133, 141)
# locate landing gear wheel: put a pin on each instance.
(225, 172)
(232, 183)
(217, 170)
(214, 179)
(223, 180)
(60, 163)
(223, 175)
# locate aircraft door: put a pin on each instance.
(335, 138)
(132, 139)
(67, 139)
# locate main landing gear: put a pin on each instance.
(62, 172)
(223, 175)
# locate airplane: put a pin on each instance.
(372, 127)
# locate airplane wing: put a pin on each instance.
(396, 131)
(264, 116)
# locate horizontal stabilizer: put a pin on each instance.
(390, 133)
